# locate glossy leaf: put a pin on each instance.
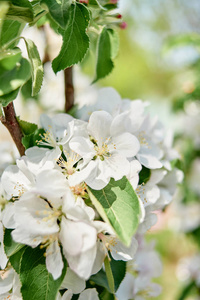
(104, 63)
(9, 58)
(75, 39)
(7, 98)
(26, 127)
(10, 80)
(118, 205)
(20, 10)
(37, 282)
(10, 30)
(59, 10)
(36, 66)
(10, 246)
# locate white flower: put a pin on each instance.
(105, 153)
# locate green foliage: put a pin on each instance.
(32, 139)
(10, 80)
(59, 10)
(187, 290)
(26, 127)
(10, 246)
(105, 295)
(75, 39)
(9, 58)
(20, 10)
(10, 30)
(109, 275)
(104, 63)
(7, 98)
(36, 66)
(118, 205)
(118, 271)
(37, 282)
(144, 175)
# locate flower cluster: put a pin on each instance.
(56, 197)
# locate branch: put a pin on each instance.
(69, 89)
(9, 120)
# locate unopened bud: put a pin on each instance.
(123, 25)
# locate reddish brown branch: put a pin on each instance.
(69, 89)
(9, 120)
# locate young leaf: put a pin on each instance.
(32, 139)
(10, 30)
(7, 98)
(10, 80)
(4, 6)
(9, 58)
(104, 56)
(37, 282)
(26, 127)
(114, 41)
(59, 10)
(96, 3)
(10, 246)
(109, 275)
(118, 205)
(75, 39)
(36, 66)
(20, 10)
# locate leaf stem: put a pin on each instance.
(69, 89)
(9, 120)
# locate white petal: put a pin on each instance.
(99, 126)
(67, 295)
(51, 184)
(121, 252)
(8, 214)
(126, 144)
(14, 182)
(82, 264)
(73, 282)
(77, 237)
(89, 294)
(54, 260)
(83, 146)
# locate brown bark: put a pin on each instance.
(69, 89)
(9, 120)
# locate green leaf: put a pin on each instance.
(109, 275)
(32, 139)
(20, 10)
(59, 10)
(144, 175)
(9, 58)
(36, 66)
(187, 290)
(10, 246)
(10, 30)
(104, 63)
(16, 259)
(26, 127)
(10, 80)
(118, 268)
(105, 295)
(96, 3)
(114, 42)
(4, 6)
(37, 282)
(118, 205)
(75, 39)
(7, 98)
(100, 279)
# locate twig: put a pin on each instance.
(69, 89)
(9, 120)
